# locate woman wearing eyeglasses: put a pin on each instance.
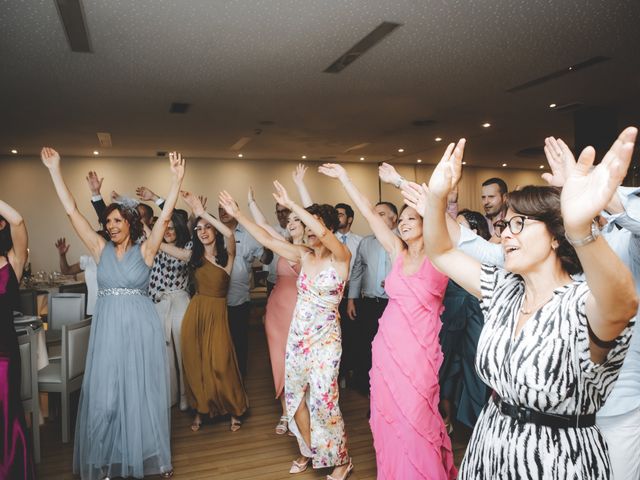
(211, 375)
(551, 347)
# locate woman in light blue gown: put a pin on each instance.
(123, 423)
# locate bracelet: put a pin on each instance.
(595, 233)
(399, 182)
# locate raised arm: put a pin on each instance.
(338, 249)
(94, 242)
(197, 205)
(259, 217)
(612, 300)
(19, 237)
(95, 184)
(298, 179)
(151, 245)
(262, 236)
(431, 203)
(65, 268)
(390, 241)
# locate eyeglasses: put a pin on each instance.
(515, 224)
(200, 228)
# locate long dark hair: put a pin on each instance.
(183, 235)
(130, 215)
(6, 242)
(543, 203)
(197, 252)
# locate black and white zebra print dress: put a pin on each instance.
(547, 368)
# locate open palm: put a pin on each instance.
(228, 203)
(50, 157)
(447, 173)
(281, 195)
(194, 203)
(586, 192)
(177, 165)
(333, 170)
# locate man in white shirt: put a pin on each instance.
(351, 240)
(494, 199)
(238, 297)
(366, 297)
(86, 265)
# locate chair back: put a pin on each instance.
(29, 385)
(75, 288)
(75, 344)
(28, 301)
(65, 309)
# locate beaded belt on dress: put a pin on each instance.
(121, 291)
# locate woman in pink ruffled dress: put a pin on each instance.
(410, 438)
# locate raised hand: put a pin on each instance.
(62, 246)
(177, 164)
(203, 201)
(298, 174)
(194, 202)
(50, 157)
(415, 196)
(146, 194)
(388, 174)
(228, 203)
(560, 160)
(94, 182)
(115, 196)
(586, 192)
(448, 171)
(281, 195)
(334, 170)
(251, 196)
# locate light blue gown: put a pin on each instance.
(123, 423)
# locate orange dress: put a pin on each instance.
(212, 378)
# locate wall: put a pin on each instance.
(26, 185)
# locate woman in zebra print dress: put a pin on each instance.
(551, 347)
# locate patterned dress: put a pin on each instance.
(548, 368)
(311, 367)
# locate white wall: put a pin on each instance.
(26, 185)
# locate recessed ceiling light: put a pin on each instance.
(304, 157)
(419, 160)
(541, 166)
(239, 155)
(504, 164)
(438, 139)
(400, 150)
(486, 125)
(96, 152)
(570, 68)
(552, 105)
(14, 151)
(464, 163)
(361, 158)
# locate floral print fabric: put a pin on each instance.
(312, 362)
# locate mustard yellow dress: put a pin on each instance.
(212, 378)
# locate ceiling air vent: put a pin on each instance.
(423, 123)
(178, 107)
(72, 17)
(569, 107)
(104, 138)
(161, 154)
(559, 73)
(368, 42)
(530, 152)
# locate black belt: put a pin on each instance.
(376, 299)
(528, 415)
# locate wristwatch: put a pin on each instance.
(595, 233)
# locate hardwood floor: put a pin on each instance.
(253, 452)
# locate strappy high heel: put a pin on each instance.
(283, 426)
(299, 467)
(346, 473)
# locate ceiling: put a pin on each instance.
(255, 69)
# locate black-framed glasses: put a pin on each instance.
(515, 224)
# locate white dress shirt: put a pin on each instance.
(247, 249)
